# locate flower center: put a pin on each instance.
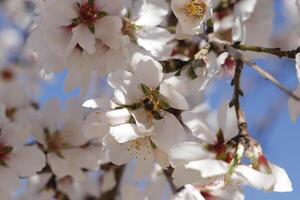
(128, 28)
(4, 153)
(7, 75)
(55, 142)
(88, 13)
(196, 8)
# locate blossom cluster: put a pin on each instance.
(148, 133)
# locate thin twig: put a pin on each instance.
(273, 51)
(270, 78)
(112, 194)
(168, 173)
(226, 46)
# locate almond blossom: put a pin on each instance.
(210, 167)
(191, 14)
(61, 138)
(16, 158)
(143, 26)
(145, 92)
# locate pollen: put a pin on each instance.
(140, 147)
(196, 8)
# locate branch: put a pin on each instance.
(226, 46)
(112, 194)
(168, 173)
(270, 78)
(236, 83)
(273, 51)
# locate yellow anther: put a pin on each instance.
(196, 8)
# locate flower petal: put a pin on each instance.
(85, 38)
(108, 29)
(198, 127)
(9, 180)
(188, 151)
(173, 97)
(27, 161)
(254, 178)
(209, 167)
(227, 121)
(147, 70)
(124, 133)
(294, 106)
(168, 132)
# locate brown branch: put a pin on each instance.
(168, 174)
(226, 46)
(273, 51)
(237, 93)
(112, 194)
(270, 78)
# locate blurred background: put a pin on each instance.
(264, 105)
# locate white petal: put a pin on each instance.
(298, 65)
(53, 114)
(254, 178)
(148, 70)
(108, 29)
(168, 132)
(85, 38)
(227, 121)
(294, 106)
(152, 13)
(118, 116)
(144, 161)
(9, 179)
(124, 133)
(156, 41)
(97, 103)
(14, 134)
(173, 97)
(82, 158)
(61, 167)
(283, 183)
(189, 193)
(128, 83)
(188, 151)
(198, 127)
(95, 126)
(118, 153)
(2, 114)
(27, 161)
(161, 157)
(208, 167)
(183, 176)
(142, 121)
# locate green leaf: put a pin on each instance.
(191, 73)
(59, 154)
(91, 2)
(7, 149)
(91, 28)
(162, 102)
(101, 14)
(3, 163)
(146, 89)
(220, 136)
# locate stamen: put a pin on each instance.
(196, 9)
